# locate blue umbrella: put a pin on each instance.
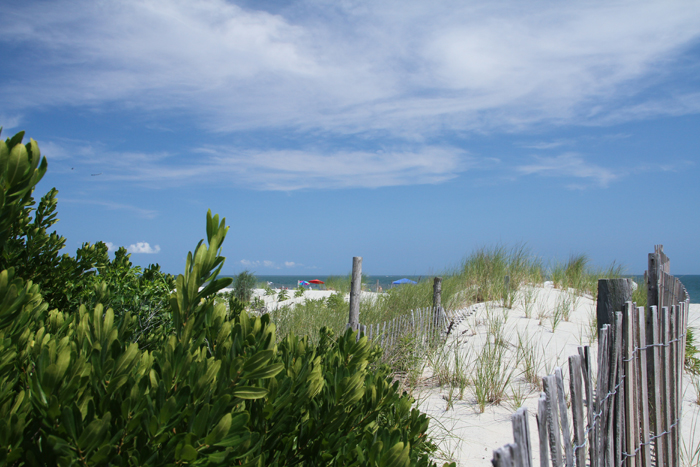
(404, 281)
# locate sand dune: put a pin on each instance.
(468, 436)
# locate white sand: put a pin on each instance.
(469, 437)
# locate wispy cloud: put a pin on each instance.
(409, 68)
(146, 213)
(569, 165)
(9, 122)
(547, 144)
(143, 247)
(286, 170)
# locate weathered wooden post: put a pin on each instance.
(612, 296)
(437, 292)
(355, 289)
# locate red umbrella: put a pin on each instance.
(316, 281)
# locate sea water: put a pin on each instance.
(692, 286)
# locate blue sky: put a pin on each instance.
(405, 132)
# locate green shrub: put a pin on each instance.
(212, 387)
(243, 285)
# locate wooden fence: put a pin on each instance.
(419, 327)
(630, 414)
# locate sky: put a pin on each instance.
(409, 133)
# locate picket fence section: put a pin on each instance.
(419, 327)
(631, 417)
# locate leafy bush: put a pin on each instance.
(243, 286)
(212, 387)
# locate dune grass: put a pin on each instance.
(578, 274)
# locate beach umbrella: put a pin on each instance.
(316, 281)
(404, 281)
(303, 282)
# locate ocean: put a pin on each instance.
(692, 285)
(691, 282)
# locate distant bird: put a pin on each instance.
(95, 175)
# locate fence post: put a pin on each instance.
(543, 429)
(355, 289)
(437, 292)
(612, 296)
(521, 435)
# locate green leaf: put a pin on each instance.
(257, 361)
(166, 412)
(127, 358)
(188, 453)
(218, 457)
(17, 165)
(239, 421)
(199, 425)
(249, 392)
(233, 439)
(94, 433)
(68, 422)
(396, 456)
(266, 372)
(219, 431)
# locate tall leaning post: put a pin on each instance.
(355, 289)
(612, 296)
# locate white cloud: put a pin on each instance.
(143, 247)
(410, 68)
(569, 165)
(110, 246)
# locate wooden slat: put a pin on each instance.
(384, 337)
(673, 381)
(586, 367)
(666, 365)
(620, 425)
(657, 390)
(613, 428)
(521, 436)
(576, 391)
(601, 406)
(543, 429)
(566, 431)
(503, 456)
(628, 358)
(550, 388)
(644, 388)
